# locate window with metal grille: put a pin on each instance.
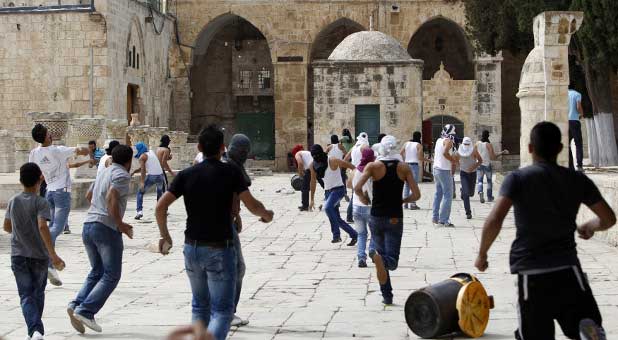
(264, 79)
(244, 81)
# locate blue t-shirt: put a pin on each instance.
(574, 98)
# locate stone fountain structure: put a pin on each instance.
(84, 130)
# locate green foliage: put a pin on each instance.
(599, 32)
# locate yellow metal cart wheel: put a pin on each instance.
(473, 307)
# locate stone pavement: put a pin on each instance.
(298, 285)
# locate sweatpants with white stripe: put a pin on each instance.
(563, 295)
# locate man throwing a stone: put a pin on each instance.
(210, 256)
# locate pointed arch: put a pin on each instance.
(331, 35)
(135, 38)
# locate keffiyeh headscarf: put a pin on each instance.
(362, 139)
(466, 148)
(239, 148)
(448, 131)
(387, 149)
(367, 157)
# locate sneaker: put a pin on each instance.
(139, 215)
(90, 323)
(336, 240)
(74, 322)
(238, 322)
(301, 208)
(371, 255)
(380, 268)
(352, 242)
(490, 199)
(580, 169)
(405, 206)
(482, 197)
(469, 216)
(413, 206)
(362, 264)
(346, 198)
(387, 301)
(66, 230)
(37, 336)
(320, 208)
(447, 225)
(53, 277)
(349, 220)
(589, 330)
(435, 223)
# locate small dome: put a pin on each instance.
(370, 46)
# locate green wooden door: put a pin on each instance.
(368, 120)
(260, 128)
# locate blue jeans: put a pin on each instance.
(467, 188)
(487, 172)
(60, 207)
(31, 277)
(333, 197)
(361, 224)
(444, 196)
(241, 268)
(386, 234)
(415, 173)
(104, 247)
(159, 181)
(212, 275)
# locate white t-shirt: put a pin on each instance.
(53, 161)
(102, 162)
(307, 159)
(368, 187)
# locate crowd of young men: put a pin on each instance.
(545, 196)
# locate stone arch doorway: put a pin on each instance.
(432, 128)
(232, 83)
(441, 40)
(325, 42)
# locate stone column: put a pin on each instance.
(84, 130)
(489, 100)
(23, 145)
(178, 144)
(57, 123)
(7, 152)
(154, 136)
(543, 87)
(116, 129)
(138, 134)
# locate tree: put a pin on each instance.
(496, 25)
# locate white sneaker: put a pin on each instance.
(53, 277)
(238, 322)
(37, 336)
(28, 338)
(74, 322)
(88, 323)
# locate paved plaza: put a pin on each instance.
(298, 285)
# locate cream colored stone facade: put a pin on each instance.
(45, 59)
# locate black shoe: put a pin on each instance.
(139, 216)
(346, 198)
(469, 216)
(320, 208)
(349, 220)
(481, 197)
(303, 208)
(387, 301)
(490, 199)
(352, 242)
(362, 264)
(336, 240)
(371, 255)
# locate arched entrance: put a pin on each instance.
(432, 128)
(443, 41)
(324, 44)
(232, 83)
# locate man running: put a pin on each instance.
(164, 154)
(576, 113)
(151, 174)
(388, 175)
(210, 256)
(551, 283)
(334, 189)
(53, 160)
(443, 168)
(102, 235)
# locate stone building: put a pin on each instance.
(246, 65)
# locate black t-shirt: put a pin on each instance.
(546, 198)
(208, 189)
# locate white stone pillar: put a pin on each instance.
(116, 129)
(154, 136)
(7, 152)
(543, 87)
(84, 130)
(178, 144)
(489, 100)
(23, 145)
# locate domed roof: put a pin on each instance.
(370, 46)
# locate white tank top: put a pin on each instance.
(440, 162)
(484, 152)
(332, 178)
(153, 167)
(356, 155)
(411, 152)
(101, 166)
(335, 152)
(307, 159)
(368, 187)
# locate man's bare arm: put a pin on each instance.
(580, 109)
(82, 151)
(47, 241)
(161, 215)
(142, 167)
(342, 164)
(348, 156)
(447, 151)
(491, 229)
(113, 204)
(8, 227)
(165, 164)
(314, 179)
(606, 218)
(358, 188)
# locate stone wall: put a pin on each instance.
(340, 86)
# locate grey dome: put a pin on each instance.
(370, 46)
